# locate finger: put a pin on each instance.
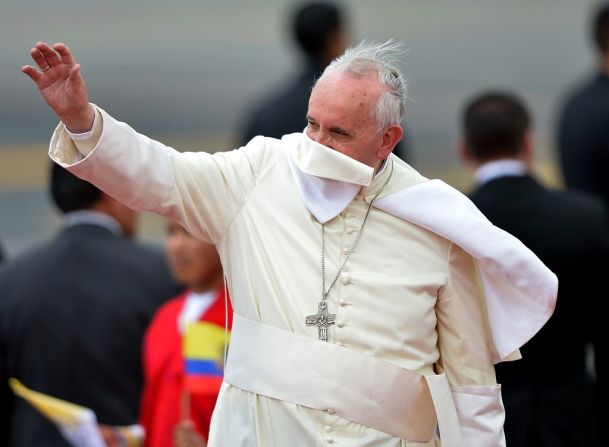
(39, 59)
(34, 74)
(64, 53)
(49, 54)
(75, 76)
(74, 72)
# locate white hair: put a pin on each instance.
(382, 58)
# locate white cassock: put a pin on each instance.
(432, 297)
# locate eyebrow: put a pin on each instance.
(337, 129)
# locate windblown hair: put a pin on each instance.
(382, 58)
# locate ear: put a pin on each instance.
(526, 153)
(391, 136)
(463, 152)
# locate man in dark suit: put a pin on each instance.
(73, 314)
(583, 134)
(549, 393)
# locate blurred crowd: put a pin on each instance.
(97, 319)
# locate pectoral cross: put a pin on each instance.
(322, 319)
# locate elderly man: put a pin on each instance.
(370, 303)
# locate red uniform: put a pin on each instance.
(164, 374)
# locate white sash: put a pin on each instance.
(294, 368)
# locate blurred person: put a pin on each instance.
(548, 394)
(186, 435)
(319, 30)
(196, 265)
(73, 313)
(404, 339)
(583, 133)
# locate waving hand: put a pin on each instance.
(61, 84)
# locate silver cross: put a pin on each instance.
(322, 319)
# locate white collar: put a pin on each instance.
(327, 179)
(92, 218)
(499, 168)
(195, 305)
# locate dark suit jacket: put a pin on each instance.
(568, 231)
(72, 318)
(285, 110)
(583, 138)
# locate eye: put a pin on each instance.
(310, 122)
(340, 132)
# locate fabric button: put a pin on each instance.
(341, 324)
(329, 429)
(346, 251)
(343, 302)
(346, 280)
(331, 411)
(350, 230)
(330, 441)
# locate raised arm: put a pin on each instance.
(61, 84)
(202, 191)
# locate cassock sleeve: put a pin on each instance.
(466, 353)
(202, 191)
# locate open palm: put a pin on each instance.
(61, 84)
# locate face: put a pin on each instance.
(340, 117)
(193, 263)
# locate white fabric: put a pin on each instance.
(481, 415)
(294, 368)
(448, 419)
(499, 168)
(195, 305)
(325, 194)
(407, 296)
(85, 135)
(520, 290)
(94, 218)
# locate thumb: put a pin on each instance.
(75, 75)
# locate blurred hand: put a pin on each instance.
(185, 435)
(61, 84)
(111, 437)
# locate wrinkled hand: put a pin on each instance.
(61, 84)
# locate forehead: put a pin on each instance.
(339, 94)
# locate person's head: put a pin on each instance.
(69, 193)
(319, 31)
(357, 105)
(194, 263)
(495, 125)
(600, 30)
